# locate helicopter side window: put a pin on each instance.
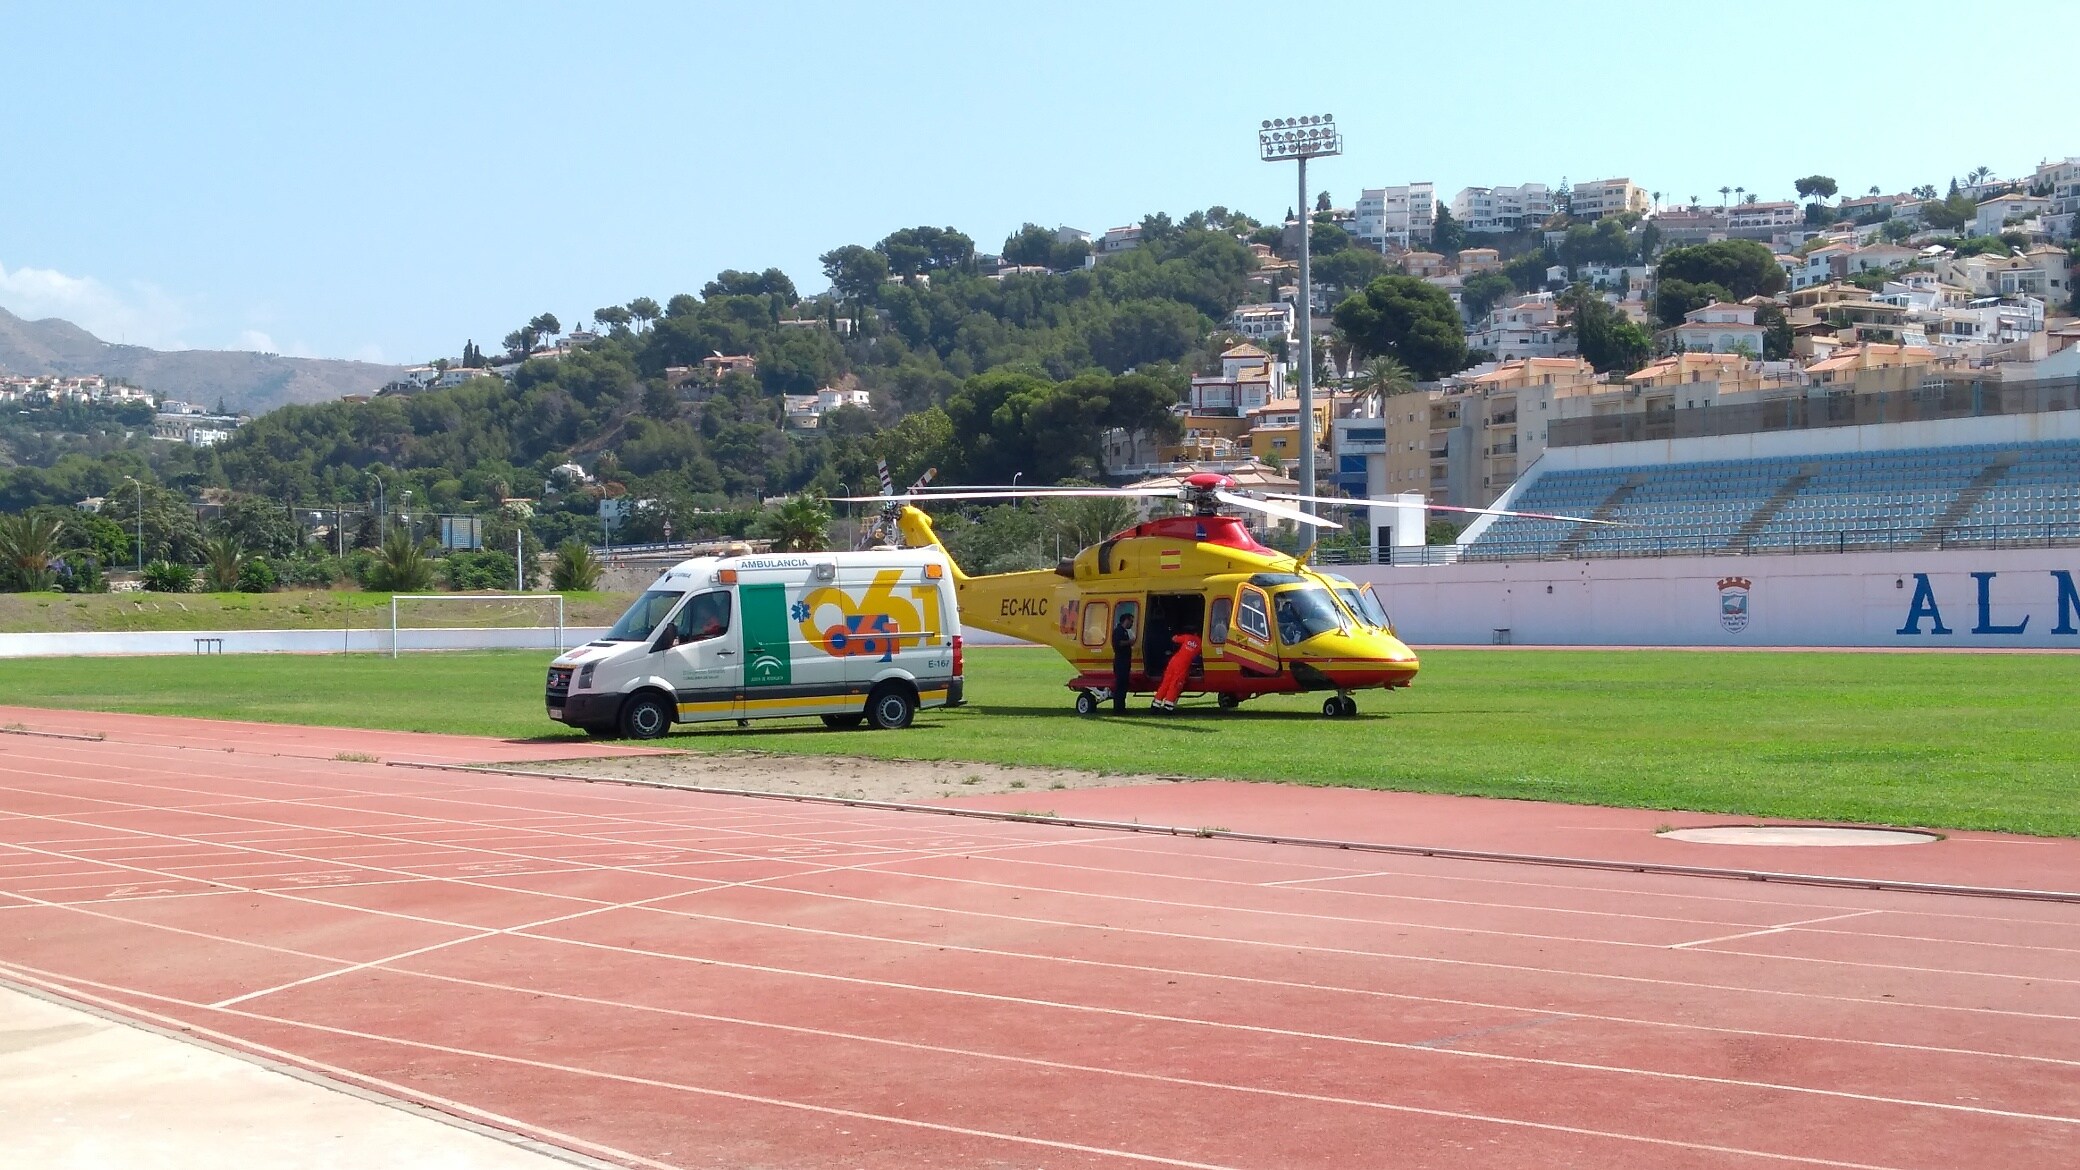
(1217, 620)
(1097, 622)
(1253, 618)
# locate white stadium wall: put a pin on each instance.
(2006, 598)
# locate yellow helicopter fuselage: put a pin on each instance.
(1266, 623)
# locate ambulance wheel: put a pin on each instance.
(1339, 706)
(1228, 702)
(891, 707)
(1086, 703)
(646, 716)
(843, 722)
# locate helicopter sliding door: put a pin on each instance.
(1249, 632)
(1170, 614)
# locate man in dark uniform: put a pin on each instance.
(1122, 659)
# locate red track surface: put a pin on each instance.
(680, 979)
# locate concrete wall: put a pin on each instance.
(1996, 598)
(361, 641)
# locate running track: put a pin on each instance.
(666, 978)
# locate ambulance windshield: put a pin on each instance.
(641, 619)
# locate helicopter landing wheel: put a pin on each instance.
(1086, 703)
(1228, 702)
(1339, 706)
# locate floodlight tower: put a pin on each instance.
(1300, 139)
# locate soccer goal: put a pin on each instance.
(467, 637)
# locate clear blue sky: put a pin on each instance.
(386, 180)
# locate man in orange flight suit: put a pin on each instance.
(1178, 669)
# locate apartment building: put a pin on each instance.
(1762, 219)
(1395, 215)
(1382, 447)
(1502, 209)
(1601, 197)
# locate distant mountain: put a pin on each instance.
(254, 382)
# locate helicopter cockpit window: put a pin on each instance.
(1217, 620)
(1305, 613)
(1361, 602)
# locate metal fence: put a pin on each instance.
(1938, 398)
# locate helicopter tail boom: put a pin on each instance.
(918, 533)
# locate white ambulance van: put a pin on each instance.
(850, 636)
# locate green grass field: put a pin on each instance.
(1955, 741)
(314, 609)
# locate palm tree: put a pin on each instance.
(1751, 200)
(1693, 202)
(1384, 378)
(28, 546)
(576, 570)
(1739, 191)
(402, 566)
(1979, 176)
(1874, 190)
(1723, 193)
(223, 557)
(802, 524)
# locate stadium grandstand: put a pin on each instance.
(1950, 465)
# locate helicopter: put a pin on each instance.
(1268, 622)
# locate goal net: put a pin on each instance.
(476, 621)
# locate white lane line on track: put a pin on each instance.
(1778, 929)
(65, 987)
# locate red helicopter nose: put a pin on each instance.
(1209, 481)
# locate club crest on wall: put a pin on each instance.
(1733, 603)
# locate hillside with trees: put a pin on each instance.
(984, 377)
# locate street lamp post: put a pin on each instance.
(1300, 139)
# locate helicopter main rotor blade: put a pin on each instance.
(1350, 503)
(1023, 493)
(1269, 509)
